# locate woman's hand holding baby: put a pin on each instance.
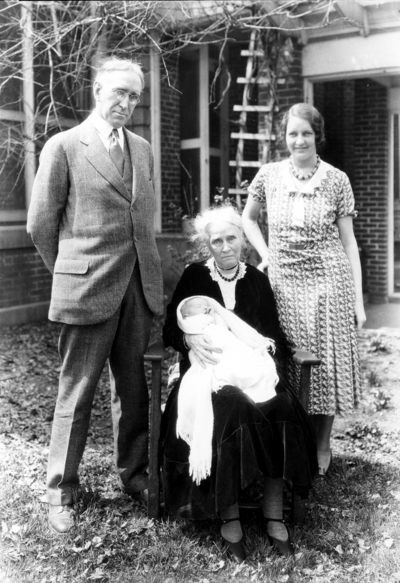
(202, 348)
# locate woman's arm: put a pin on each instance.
(268, 314)
(346, 234)
(253, 232)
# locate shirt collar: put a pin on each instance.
(103, 127)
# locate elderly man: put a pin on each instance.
(91, 219)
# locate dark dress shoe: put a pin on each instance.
(284, 548)
(142, 496)
(61, 518)
(235, 550)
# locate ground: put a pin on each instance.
(351, 530)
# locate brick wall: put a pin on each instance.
(292, 91)
(356, 116)
(170, 147)
(288, 94)
(370, 182)
(24, 279)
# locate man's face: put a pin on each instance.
(114, 93)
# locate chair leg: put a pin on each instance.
(305, 377)
(153, 508)
(298, 507)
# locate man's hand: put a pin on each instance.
(202, 348)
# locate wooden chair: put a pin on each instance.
(156, 354)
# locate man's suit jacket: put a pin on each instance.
(90, 230)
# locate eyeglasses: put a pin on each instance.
(120, 94)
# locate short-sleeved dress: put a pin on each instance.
(311, 277)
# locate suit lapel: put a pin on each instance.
(99, 158)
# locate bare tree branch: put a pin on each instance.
(70, 37)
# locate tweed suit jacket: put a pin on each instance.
(90, 230)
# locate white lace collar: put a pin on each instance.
(214, 273)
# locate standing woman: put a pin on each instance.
(313, 265)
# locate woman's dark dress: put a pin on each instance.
(272, 439)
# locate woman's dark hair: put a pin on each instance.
(310, 114)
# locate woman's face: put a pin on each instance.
(300, 140)
(225, 244)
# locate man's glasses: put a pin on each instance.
(120, 94)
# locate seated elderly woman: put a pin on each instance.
(271, 440)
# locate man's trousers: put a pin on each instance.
(84, 350)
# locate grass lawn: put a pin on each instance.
(351, 531)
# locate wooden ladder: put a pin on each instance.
(253, 53)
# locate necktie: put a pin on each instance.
(116, 152)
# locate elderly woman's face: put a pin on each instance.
(225, 244)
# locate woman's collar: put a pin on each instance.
(210, 263)
(308, 188)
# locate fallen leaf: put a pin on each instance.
(98, 574)
(388, 543)
(339, 549)
(218, 566)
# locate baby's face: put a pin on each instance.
(195, 307)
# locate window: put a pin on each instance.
(204, 129)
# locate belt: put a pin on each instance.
(296, 246)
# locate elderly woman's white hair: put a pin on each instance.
(225, 213)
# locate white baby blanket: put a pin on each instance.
(244, 363)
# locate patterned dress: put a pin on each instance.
(311, 277)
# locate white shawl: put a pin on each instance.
(252, 370)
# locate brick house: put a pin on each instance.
(350, 70)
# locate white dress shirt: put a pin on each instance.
(105, 129)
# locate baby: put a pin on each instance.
(244, 363)
(251, 369)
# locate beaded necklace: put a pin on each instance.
(228, 278)
(304, 176)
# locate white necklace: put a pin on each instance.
(304, 176)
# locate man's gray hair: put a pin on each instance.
(111, 64)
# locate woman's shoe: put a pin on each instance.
(284, 548)
(235, 550)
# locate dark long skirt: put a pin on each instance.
(250, 441)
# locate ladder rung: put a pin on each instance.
(258, 81)
(256, 53)
(244, 136)
(237, 191)
(256, 108)
(252, 80)
(245, 164)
